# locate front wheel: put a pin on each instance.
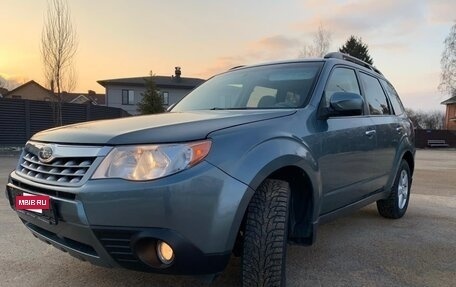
(396, 204)
(265, 237)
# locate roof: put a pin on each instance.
(334, 57)
(78, 98)
(97, 99)
(450, 101)
(31, 82)
(160, 81)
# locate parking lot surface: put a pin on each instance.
(362, 249)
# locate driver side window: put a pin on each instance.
(341, 80)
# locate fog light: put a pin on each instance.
(165, 252)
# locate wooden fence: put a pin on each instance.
(423, 136)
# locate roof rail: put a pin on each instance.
(347, 57)
(236, 67)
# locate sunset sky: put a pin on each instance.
(130, 38)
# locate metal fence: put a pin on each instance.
(423, 136)
(20, 119)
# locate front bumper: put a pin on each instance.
(198, 212)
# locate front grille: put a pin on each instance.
(60, 170)
(117, 243)
(34, 189)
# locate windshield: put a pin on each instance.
(263, 87)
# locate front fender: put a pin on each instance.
(264, 158)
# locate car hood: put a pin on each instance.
(160, 128)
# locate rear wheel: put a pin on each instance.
(265, 237)
(396, 204)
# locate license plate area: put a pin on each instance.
(47, 215)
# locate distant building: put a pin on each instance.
(34, 91)
(30, 91)
(84, 98)
(126, 93)
(450, 115)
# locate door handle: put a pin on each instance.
(399, 129)
(370, 133)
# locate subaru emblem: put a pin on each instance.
(45, 153)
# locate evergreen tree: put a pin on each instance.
(356, 48)
(152, 102)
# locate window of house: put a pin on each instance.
(128, 97)
(394, 98)
(165, 98)
(341, 80)
(375, 97)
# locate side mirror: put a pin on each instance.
(345, 104)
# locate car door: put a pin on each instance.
(386, 125)
(347, 144)
(403, 126)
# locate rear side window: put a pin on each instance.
(375, 97)
(341, 80)
(394, 98)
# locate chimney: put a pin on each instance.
(92, 97)
(177, 72)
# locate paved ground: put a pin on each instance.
(359, 250)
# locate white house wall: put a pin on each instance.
(114, 97)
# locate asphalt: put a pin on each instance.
(362, 249)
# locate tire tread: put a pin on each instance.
(263, 260)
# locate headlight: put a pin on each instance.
(146, 162)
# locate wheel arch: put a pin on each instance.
(284, 158)
(405, 153)
(304, 196)
(408, 157)
(302, 203)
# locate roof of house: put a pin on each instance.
(160, 81)
(80, 98)
(31, 82)
(451, 100)
(97, 99)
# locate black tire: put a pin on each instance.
(393, 206)
(265, 237)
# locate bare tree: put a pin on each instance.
(3, 83)
(9, 84)
(431, 120)
(448, 63)
(320, 44)
(59, 44)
